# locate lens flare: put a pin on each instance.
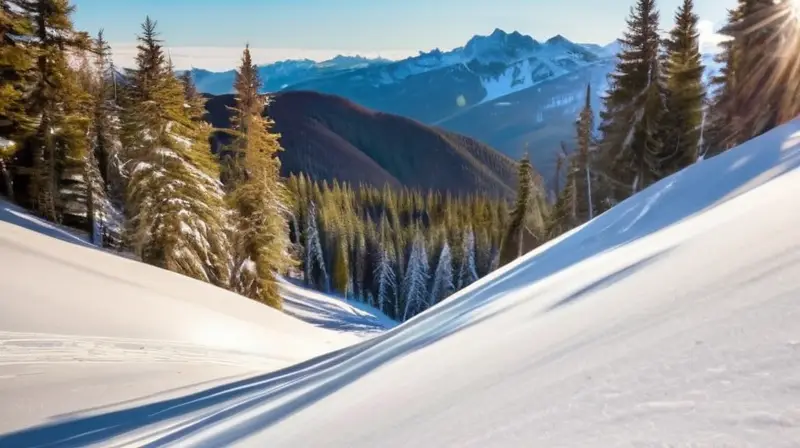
(794, 6)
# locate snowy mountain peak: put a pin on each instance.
(558, 39)
(351, 61)
(499, 46)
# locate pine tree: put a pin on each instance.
(359, 263)
(634, 106)
(259, 197)
(526, 226)
(341, 272)
(386, 280)
(765, 91)
(53, 104)
(443, 277)
(685, 92)
(415, 282)
(80, 190)
(721, 134)
(177, 217)
(314, 259)
(468, 274)
(564, 216)
(385, 270)
(581, 170)
(194, 101)
(16, 61)
(104, 162)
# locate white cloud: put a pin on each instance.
(226, 58)
(709, 38)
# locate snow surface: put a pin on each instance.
(81, 328)
(5, 143)
(333, 313)
(671, 320)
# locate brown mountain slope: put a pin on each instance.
(329, 137)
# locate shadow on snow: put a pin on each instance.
(277, 395)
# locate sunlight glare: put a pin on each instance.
(795, 5)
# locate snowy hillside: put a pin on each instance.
(85, 328)
(670, 320)
(333, 313)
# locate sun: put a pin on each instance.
(795, 7)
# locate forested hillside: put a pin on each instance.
(328, 137)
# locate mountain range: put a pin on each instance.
(507, 90)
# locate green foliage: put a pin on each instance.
(16, 63)
(176, 213)
(257, 196)
(633, 107)
(685, 92)
(50, 102)
(526, 228)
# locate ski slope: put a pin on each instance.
(81, 328)
(671, 320)
(333, 313)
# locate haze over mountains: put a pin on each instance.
(506, 90)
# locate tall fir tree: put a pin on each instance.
(259, 197)
(386, 282)
(581, 169)
(108, 185)
(53, 104)
(720, 134)
(176, 212)
(765, 92)
(526, 226)
(341, 263)
(685, 92)
(442, 285)
(415, 282)
(194, 101)
(16, 62)
(633, 107)
(316, 273)
(79, 189)
(564, 213)
(468, 273)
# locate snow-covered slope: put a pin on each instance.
(669, 321)
(333, 313)
(80, 327)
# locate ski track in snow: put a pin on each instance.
(86, 332)
(38, 348)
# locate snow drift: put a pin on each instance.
(670, 320)
(80, 327)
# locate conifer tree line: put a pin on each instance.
(659, 116)
(125, 155)
(401, 251)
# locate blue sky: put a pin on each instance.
(214, 31)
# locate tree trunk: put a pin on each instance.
(7, 179)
